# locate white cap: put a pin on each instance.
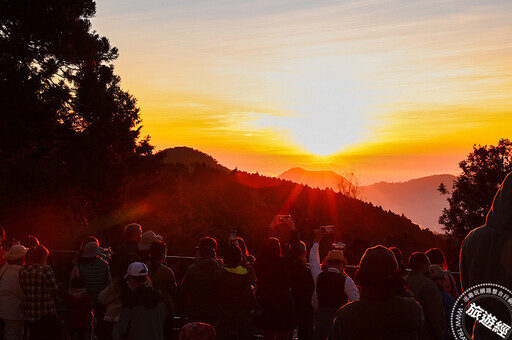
(136, 269)
(15, 252)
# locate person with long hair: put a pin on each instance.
(436, 256)
(273, 291)
(385, 309)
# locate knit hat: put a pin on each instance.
(378, 261)
(136, 269)
(148, 237)
(436, 271)
(336, 255)
(15, 252)
(92, 249)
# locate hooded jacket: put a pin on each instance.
(198, 284)
(486, 253)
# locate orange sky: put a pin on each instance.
(391, 90)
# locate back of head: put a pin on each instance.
(2, 235)
(243, 246)
(133, 232)
(208, 242)
(156, 251)
(398, 254)
(500, 215)
(232, 256)
(30, 241)
(270, 252)
(418, 261)
(206, 251)
(37, 255)
(378, 270)
(89, 239)
(436, 256)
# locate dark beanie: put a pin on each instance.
(232, 255)
(378, 261)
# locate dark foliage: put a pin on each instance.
(473, 191)
(68, 132)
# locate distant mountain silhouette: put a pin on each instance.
(313, 179)
(418, 199)
(188, 156)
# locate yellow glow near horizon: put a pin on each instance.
(388, 89)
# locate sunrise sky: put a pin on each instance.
(392, 90)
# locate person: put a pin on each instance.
(11, 295)
(428, 296)
(112, 295)
(302, 286)
(273, 291)
(163, 280)
(30, 241)
(385, 310)
(316, 269)
(197, 284)
(234, 297)
(334, 288)
(78, 310)
(399, 259)
(485, 252)
(143, 310)
(438, 275)
(247, 259)
(132, 235)
(40, 291)
(148, 237)
(436, 256)
(96, 275)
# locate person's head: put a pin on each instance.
(208, 242)
(301, 251)
(77, 283)
(37, 255)
(437, 274)
(30, 241)
(91, 250)
(419, 263)
(232, 256)
(206, 251)
(157, 251)
(148, 237)
(436, 256)
(335, 259)
(398, 254)
(136, 274)
(133, 233)
(243, 246)
(271, 249)
(16, 254)
(87, 240)
(378, 270)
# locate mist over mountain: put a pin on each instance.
(418, 199)
(314, 179)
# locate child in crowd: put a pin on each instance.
(79, 310)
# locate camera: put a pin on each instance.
(327, 229)
(339, 246)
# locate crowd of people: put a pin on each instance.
(130, 293)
